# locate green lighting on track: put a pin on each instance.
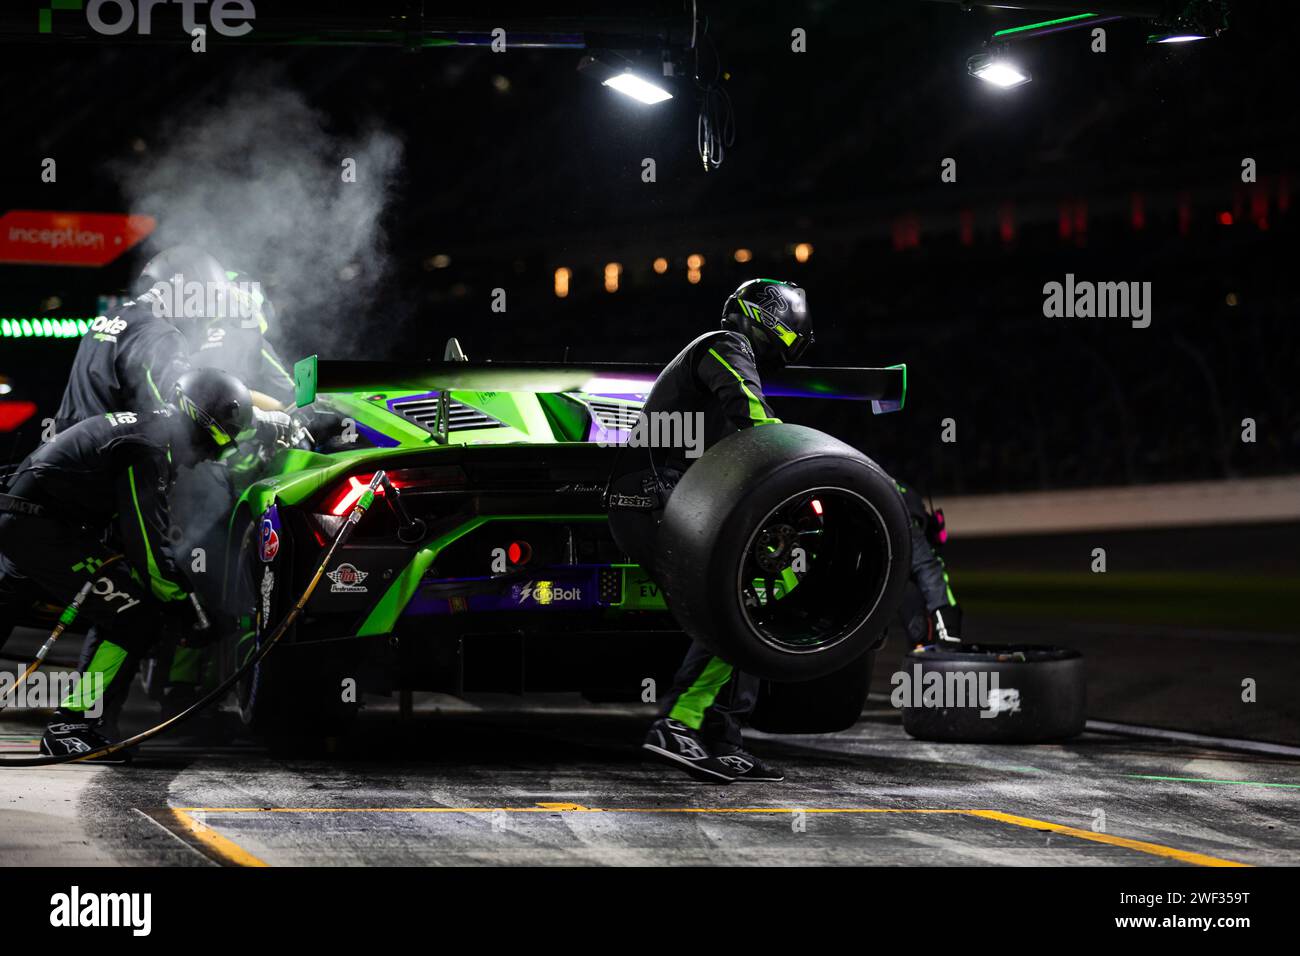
(41, 327)
(1238, 783)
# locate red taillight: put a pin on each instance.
(442, 477)
(351, 493)
(519, 552)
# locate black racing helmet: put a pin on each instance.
(219, 404)
(773, 315)
(191, 262)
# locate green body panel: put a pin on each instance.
(383, 617)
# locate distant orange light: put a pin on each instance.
(742, 255)
(661, 265)
(562, 277)
(612, 271)
(803, 252)
(694, 261)
(693, 276)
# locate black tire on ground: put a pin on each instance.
(823, 706)
(743, 512)
(295, 691)
(1041, 694)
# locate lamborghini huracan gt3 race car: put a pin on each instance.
(489, 566)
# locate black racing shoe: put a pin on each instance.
(70, 737)
(746, 768)
(672, 742)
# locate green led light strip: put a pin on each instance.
(1044, 23)
(44, 328)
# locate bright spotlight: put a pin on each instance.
(616, 72)
(1176, 37)
(643, 91)
(996, 70)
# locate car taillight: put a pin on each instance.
(350, 494)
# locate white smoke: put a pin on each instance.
(258, 180)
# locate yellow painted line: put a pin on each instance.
(560, 808)
(1155, 849)
(227, 850)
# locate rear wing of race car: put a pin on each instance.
(884, 388)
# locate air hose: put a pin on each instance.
(344, 533)
(65, 621)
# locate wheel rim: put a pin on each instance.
(846, 560)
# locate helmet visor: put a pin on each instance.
(220, 437)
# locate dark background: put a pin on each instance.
(1123, 166)
(840, 147)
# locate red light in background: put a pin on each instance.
(1007, 222)
(1259, 207)
(1225, 218)
(967, 228)
(13, 414)
(1137, 212)
(1080, 220)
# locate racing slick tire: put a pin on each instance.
(295, 692)
(784, 551)
(826, 705)
(1040, 696)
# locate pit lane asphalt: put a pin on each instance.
(554, 780)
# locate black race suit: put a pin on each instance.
(715, 380)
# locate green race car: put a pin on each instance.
(488, 564)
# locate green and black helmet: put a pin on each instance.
(773, 315)
(218, 403)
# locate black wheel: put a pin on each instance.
(1040, 693)
(784, 551)
(295, 691)
(822, 706)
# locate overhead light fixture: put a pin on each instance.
(643, 91)
(619, 74)
(998, 70)
(1176, 37)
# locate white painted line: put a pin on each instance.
(1203, 740)
(188, 846)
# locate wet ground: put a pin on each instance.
(555, 780)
